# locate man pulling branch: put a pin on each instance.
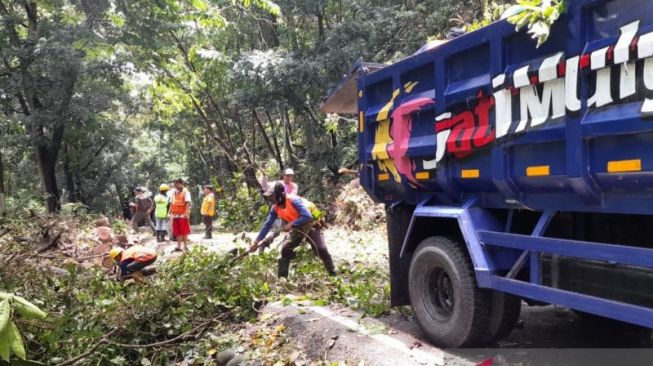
(300, 222)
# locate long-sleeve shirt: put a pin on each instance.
(304, 217)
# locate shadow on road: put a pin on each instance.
(553, 327)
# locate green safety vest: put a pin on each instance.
(312, 208)
(161, 211)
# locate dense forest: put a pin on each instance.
(100, 96)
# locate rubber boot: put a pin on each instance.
(328, 264)
(284, 265)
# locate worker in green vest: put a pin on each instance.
(161, 203)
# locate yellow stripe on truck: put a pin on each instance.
(625, 166)
(538, 171)
(470, 173)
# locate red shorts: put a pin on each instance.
(180, 226)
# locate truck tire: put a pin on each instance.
(448, 305)
(504, 315)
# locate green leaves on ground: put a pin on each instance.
(12, 335)
(186, 292)
(5, 314)
(10, 339)
(27, 309)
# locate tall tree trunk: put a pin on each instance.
(268, 31)
(274, 152)
(69, 179)
(2, 186)
(254, 136)
(287, 139)
(2, 174)
(334, 139)
(320, 23)
(47, 166)
(275, 142)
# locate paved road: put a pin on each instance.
(339, 334)
(539, 327)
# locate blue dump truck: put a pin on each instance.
(512, 172)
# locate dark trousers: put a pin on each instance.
(295, 239)
(139, 217)
(135, 267)
(208, 224)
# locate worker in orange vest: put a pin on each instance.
(299, 222)
(132, 259)
(180, 214)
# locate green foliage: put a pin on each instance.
(24, 200)
(364, 289)
(537, 15)
(492, 11)
(242, 210)
(266, 5)
(83, 306)
(119, 227)
(11, 341)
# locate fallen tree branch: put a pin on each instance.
(180, 337)
(4, 232)
(100, 343)
(52, 243)
(193, 333)
(263, 243)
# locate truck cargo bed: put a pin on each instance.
(567, 126)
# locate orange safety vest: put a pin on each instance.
(289, 213)
(139, 254)
(178, 206)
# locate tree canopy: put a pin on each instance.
(99, 96)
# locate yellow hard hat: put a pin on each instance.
(115, 252)
(164, 187)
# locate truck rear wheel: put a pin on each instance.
(449, 306)
(504, 315)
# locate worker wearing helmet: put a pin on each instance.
(299, 222)
(289, 182)
(132, 259)
(161, 206)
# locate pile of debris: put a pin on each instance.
(53, 241)
(355, 209)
